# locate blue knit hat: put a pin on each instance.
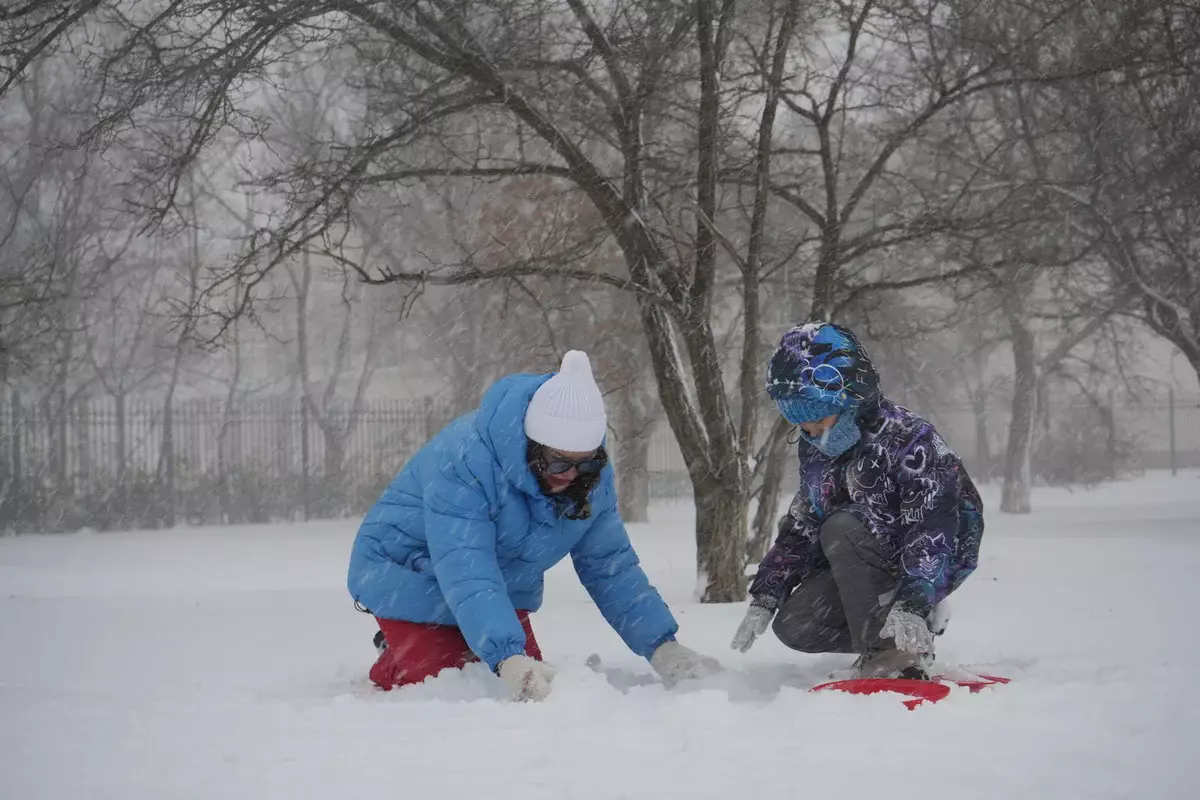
(797, 408)
(820, 369)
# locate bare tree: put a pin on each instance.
(124, 331)
(182, 350)
(1112, 158)
(56, 241)
(1134, 182)
(878, 111)
(32, 30)
(1032, 366)
(660, 114)
(1043, 272)
(469, 342)
(347, 363)
(480, 332)
(979, 336)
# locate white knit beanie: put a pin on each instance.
(567, 411)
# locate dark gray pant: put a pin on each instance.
(839, 607)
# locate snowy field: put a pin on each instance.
(230, 663)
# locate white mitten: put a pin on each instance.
(753, 625)
(910, 631)
(940, 619)
(526, 678)
(673, 662)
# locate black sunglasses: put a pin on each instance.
(557, 465)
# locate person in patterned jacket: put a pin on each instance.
(886, 523)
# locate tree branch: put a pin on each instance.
(458, 277)
(31, 55)
(467, 172)
(751, 268)
(1068, 343)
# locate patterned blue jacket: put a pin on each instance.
(909, 489)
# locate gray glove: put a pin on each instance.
(754, 624)
(910, 631)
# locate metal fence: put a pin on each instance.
(113, 464)
(104, 463)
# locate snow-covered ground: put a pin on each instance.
(229, 663)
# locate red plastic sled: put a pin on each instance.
(920, 691)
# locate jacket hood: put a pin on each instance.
(500, 422)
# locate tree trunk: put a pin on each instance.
(635, 426)
(1179, 334)
(1108, 416)
(766, 516)
(1193, 358)
(227, 409)
(633, 478)
(708, 443)
(720, 481)
(983, 445)
(62, 408)
(223, 498)
(165, 469)
(164, 500)
(1042, 409)
(58, 400)
(334, 486)
(1015, 495)
(122, 454)
(722, 509)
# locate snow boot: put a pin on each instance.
(887, 663)
(894, 663)
(846, 673)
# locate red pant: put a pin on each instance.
(417, 651)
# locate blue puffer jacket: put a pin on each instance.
(463, 536)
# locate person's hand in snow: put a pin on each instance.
(758, 618)
(673, 662)
(910, 631)
(526, 678)
(940, 618)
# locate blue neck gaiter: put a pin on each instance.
(843, 435)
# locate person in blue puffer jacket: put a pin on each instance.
(452, 557)
(885, 526)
